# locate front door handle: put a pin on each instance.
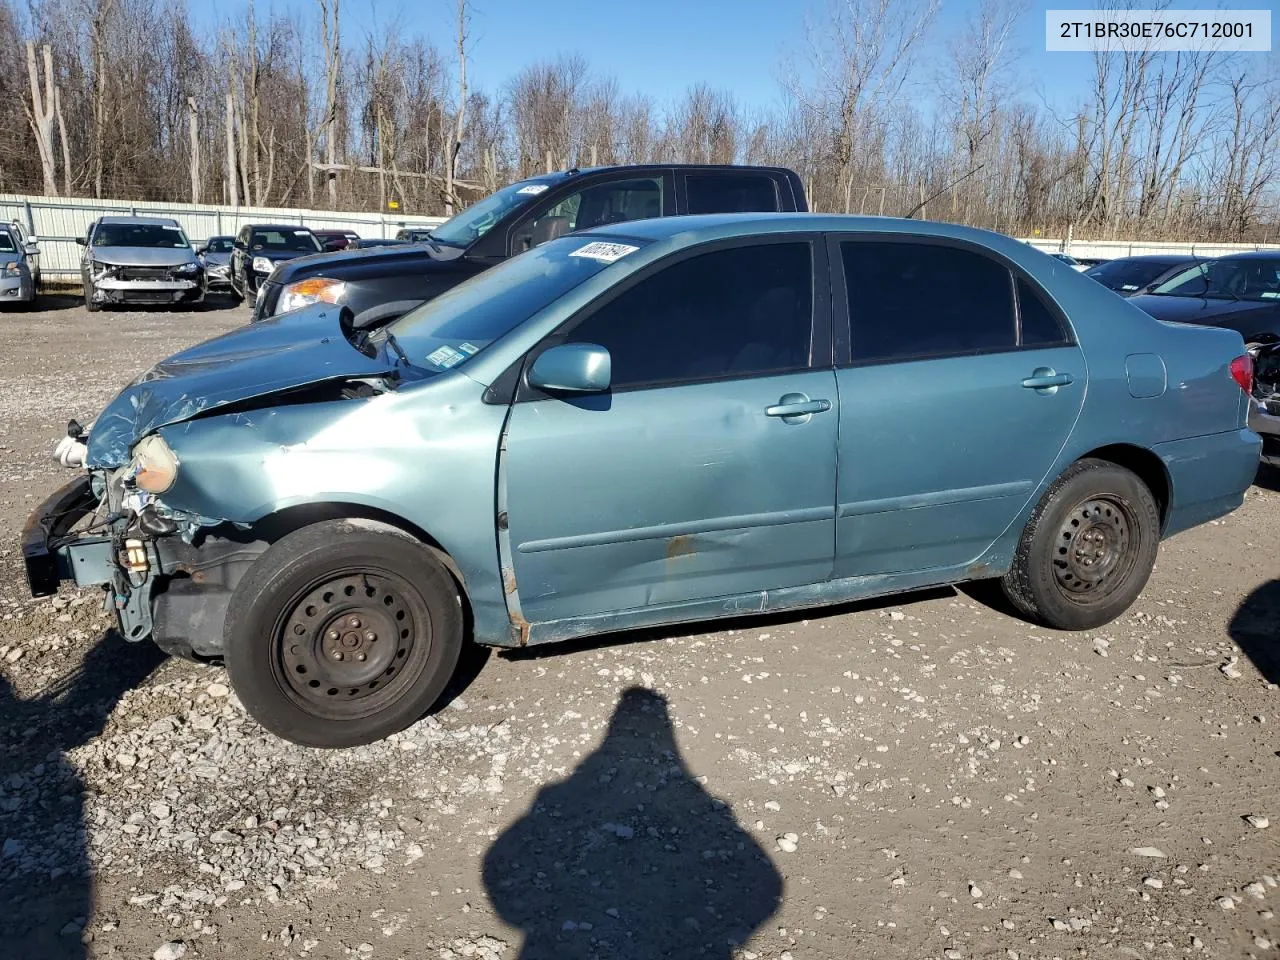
(1047, 380)
(796, 408)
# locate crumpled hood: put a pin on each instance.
(292, 350)
(143, 256)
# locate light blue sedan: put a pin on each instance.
(657, 422)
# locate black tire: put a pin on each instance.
(1088, 549)
(340, 587)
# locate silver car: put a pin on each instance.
(19, 266)
(215, 254)
(139, 260)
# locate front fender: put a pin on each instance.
(425, 454)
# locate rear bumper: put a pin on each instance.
(1267, 426)
(1208, 476)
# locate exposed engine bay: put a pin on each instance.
(1264, 418)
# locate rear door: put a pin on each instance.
(959, 386)
(727, 191)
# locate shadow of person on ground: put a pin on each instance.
(46, 886)
(1255, 628)
(630, 856)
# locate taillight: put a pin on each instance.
(1242, 372)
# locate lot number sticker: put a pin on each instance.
(445, 357)
(533, 188)
(604, 252)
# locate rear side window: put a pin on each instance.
(917, 300)
(741, 312)
(731, 193)
(1040, 326)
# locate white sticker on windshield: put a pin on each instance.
(301, 233)
(470, 349)
(1269, 294)
(604, 252)
(533, 188)
(445, 357)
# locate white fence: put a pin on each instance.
(57, 221)
(1133, 248)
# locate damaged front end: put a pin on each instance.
(121, 284)
(163, 539)
(163, 576)
(1264, 411)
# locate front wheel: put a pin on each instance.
(1088, 549)
(342, 634)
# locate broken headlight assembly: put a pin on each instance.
(154, 465)
(262, 265)
(309, 291)
(186, 269)
(12, 269)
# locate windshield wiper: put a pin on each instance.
(395, 345)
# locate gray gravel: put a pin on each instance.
(923, 778)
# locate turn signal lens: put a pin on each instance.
(1242, 372)
(154, 465)
(309, 291)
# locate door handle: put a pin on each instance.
(1047, 379)
(796, 405)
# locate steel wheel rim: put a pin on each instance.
(349, 644)
(1094, 551)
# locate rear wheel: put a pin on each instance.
(1088, 549)
(340, 634)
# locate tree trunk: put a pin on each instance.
(232, 183)
(193, 131)
(41, 115)
(460, 125)
(332, 62)
(62, 135)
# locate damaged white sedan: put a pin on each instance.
(137, 260)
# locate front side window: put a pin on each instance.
(916, 300)
(615, 202)
(730, 193)
(285, 240)
(6, 242)
(742, 312)
(139, 235)
(219, 245)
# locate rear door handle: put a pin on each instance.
(1047, 379)
(796, 405)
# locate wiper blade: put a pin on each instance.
(394, 344)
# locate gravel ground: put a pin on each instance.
(929, 777)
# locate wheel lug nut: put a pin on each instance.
(337, 654)
(331, 635)
(353, 623)
(361, 657)
(370, 636)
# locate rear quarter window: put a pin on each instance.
(731, 193)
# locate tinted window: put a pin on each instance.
(1040, 328)
(920, 300)
(6, 242)
(1127, 275)
(284, 239)
(219, 245)
(737, 312)
(726, 193)
(604, 203)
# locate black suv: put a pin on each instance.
(259, 247)
(380, 284)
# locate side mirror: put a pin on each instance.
(33, 239)
(31, 249)
(572, 367)
(81, 241)
(202, 249)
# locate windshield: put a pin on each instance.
(455, 326)
(285, 239)
(1127, 275)
(139, 235)
(6, 242)
(474, 222)
(219, 245)
(1245, 278)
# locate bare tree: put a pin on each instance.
(233, 185)
(41, 114)
(193, 131)
(460, 120)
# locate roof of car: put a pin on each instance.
(157, 221)
(278, 226)
(1169, 258)
(1252, 255)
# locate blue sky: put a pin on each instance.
(661, 47)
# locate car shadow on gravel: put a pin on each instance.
(1255, 628)
(630, 856)
(47, 303)
(46, 885)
